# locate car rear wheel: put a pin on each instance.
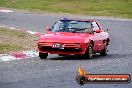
(43, 55)
(104, 51)
(89, 52)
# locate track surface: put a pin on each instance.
(59, 72)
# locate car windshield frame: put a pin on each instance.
(71, 26)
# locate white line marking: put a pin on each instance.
(31, 32)
(12, 28)
(7, 58)
(6, 11)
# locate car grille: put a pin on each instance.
(75, 45)
(67, 47)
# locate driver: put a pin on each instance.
(64, 25)
(89, 29)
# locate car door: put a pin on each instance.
(98, 37)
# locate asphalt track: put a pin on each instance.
(59, 72)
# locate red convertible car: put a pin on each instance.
(77, 37)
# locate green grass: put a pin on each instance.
(14, 40)
(4, 48)
(12, 33)
(116, 8)
(6, 36)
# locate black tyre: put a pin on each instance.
(104, 51)
(89, 52)
(43, 55)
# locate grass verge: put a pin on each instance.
(14, 40)
(117, 8)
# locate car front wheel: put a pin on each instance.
(89, 52)
(43, 55)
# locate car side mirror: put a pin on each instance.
(98, 31)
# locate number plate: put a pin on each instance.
(57, 46)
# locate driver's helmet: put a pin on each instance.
(64, 24)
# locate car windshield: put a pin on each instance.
(70, 26)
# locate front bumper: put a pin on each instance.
(60, 48)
